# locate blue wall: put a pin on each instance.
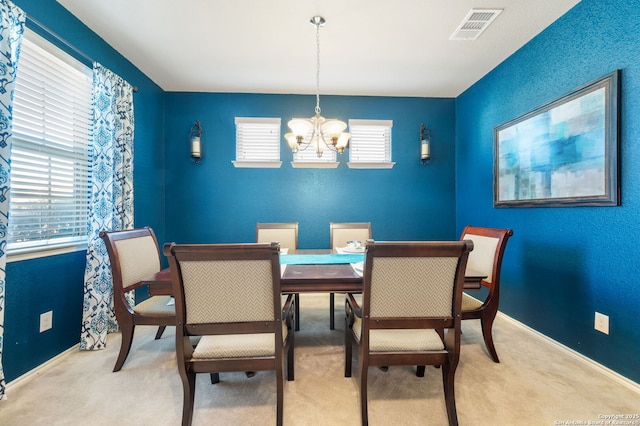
(563, 264)
(55, 283)
(215, 202)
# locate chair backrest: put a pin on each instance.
(285, 233)
(223, 288)
(340, 233)
(134, 255)
(409, 280)
(488, 251)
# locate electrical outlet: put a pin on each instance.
(46, 321)
(601, 323)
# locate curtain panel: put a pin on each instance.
(111, 206)
(12, 20)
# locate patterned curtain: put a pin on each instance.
(111, 199)
(12, 21)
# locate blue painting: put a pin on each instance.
(560, 154)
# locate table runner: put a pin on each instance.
(320, 259)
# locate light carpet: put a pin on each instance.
(535, 383)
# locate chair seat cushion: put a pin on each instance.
(155, 305)
(405, 340)
(469, 303)
(237, 345)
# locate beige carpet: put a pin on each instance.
(535, 384)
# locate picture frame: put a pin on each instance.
(563, 153)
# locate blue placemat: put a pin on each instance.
(320, 259)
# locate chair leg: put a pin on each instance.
(487, 324)
(188, 388)
(127, 338)
(290, 359)
(296, 309)
(364, 412)
(348, 350)
(332, 321)
(279, 396)
(215, 378)
(420, 371)
(160, 331)
(448, 375)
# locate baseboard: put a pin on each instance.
(628, 383)
(26, 377)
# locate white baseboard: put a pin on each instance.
(26, 377)
(630, 384)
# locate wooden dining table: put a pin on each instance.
(307, 278)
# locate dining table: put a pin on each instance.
(312, 271)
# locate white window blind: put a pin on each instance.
(309, 154)
(257, 141)
(50, 166)
(370, 141)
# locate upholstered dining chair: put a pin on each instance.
(286, 233)
(229, 296)
(489, 246)
(134, 255)
(339, 234)
(412, 293)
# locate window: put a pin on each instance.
(257, 142)
(370, 145)
(308, 157)
(50, 163)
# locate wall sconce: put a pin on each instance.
(196, 145)
(425, 140)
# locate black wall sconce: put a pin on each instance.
(425, 140)
(196, 143)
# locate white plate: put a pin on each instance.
(353, 250)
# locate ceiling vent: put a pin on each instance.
(476, 21)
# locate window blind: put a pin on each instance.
(50, 163)
(309, 154)
(370, 141)
(257, 139)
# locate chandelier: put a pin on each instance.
(317, 131)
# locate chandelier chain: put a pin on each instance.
(318, 68)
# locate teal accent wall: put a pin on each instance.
(215, 202)
(563, 264)
(55, 283)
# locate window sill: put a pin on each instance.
(17, 255)
(315, 164)
(363, 165)
(257, 164)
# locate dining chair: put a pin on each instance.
(286, 233)
(412, 293)
(489, 246)
(339, 234)
(228, 295)
(134, 255)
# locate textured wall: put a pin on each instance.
(215, 202)
(563, 264)
(55, 283)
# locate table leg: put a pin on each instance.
(296, 298)
(332, 324)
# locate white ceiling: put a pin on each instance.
(367, 47)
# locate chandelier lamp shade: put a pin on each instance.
(317, 131)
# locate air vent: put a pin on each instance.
(476, 21)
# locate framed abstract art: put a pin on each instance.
(563, 153)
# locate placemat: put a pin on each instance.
(319, 259)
